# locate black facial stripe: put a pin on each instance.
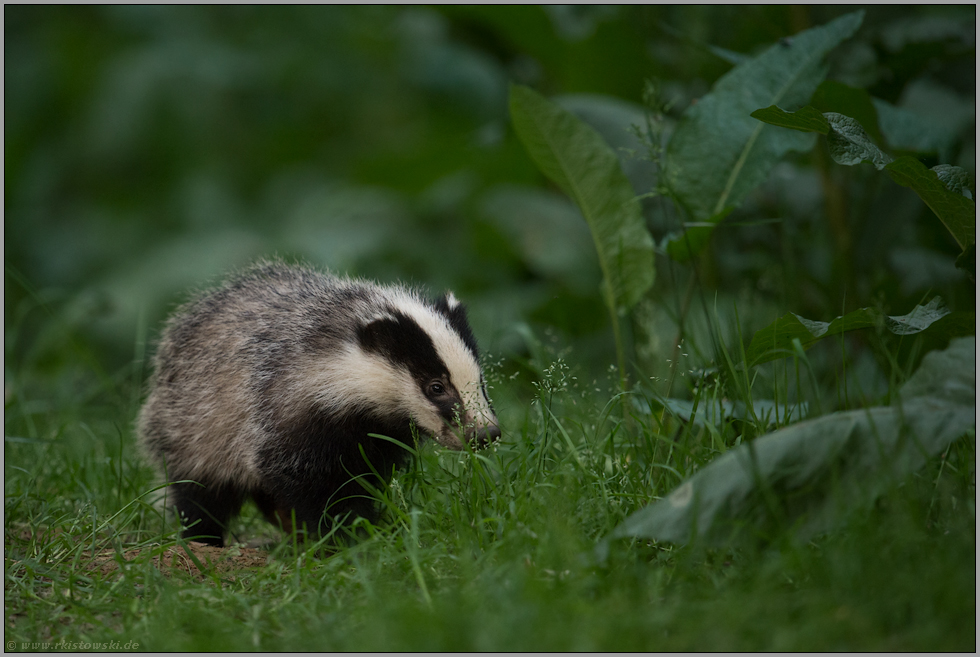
(483, 389)
(399, 339)
(450, 406)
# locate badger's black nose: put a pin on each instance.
(486, 435)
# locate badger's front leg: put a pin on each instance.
(204, 510)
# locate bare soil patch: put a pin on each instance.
(196, 559)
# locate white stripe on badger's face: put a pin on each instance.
(351, 380)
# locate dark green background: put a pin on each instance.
(150, 149)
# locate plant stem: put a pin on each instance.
(618, 339)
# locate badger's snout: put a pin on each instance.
(477, 435)
(484, 436)
(482, 428)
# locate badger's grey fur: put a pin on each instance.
(268, 386)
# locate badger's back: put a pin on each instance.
(269, 385)
(198, 416)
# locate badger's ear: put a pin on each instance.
(449, 305)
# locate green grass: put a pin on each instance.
(395, 156)
(488, 551)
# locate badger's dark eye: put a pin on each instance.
(436, 388)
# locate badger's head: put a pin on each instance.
(419, 361)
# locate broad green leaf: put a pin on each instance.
(717, 411)
(615, 121)
(810, 474)
(884, 123)
(579, 161)
(850, 144)
(905, 130)
(719, 153)
(958, 213)
(957, 180)
(833, 96)
(805, 119)
(776, 340)
(948, 191)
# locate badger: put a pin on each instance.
(275, 385)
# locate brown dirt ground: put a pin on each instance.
(225, 561)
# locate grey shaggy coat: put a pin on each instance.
(269, 386)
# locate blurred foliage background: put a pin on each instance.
(150, 149)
